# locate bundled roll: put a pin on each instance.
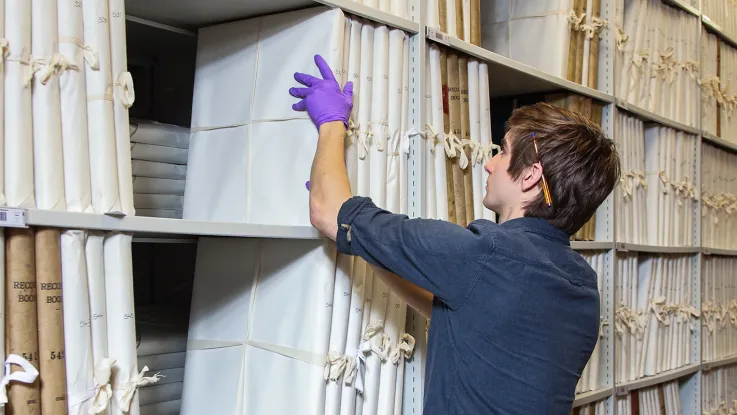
(718, 197)
(719, 301)
(631, 192)
(560, 38)
(718, 396)
(659, 48)
(654, 315)
(77, 324)
(590, 379)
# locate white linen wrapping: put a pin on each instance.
(121, 327)
(262, 134)
(271, 364)
(100, 119)
(485, 127)
(95, 262)
(2, 107)
(18, 107)
(77, 323)
(47, 148)
(718, 197)
(73, 99)
(437, 136)
(123, 98)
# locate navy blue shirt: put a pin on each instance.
(516, 310)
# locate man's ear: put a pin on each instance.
(531, 176)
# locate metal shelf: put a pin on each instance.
(624, 388)
(715, 364)
(717, 30)
(189, 15)
(590, 397)
(625, 247)
(145, 227)
(591, 245)
(646, 115)
(683, 5)
(718, 251)
(511, 77)
(729, 145)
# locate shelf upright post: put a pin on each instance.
(414, 372)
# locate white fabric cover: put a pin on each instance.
(243, 136)
(95, 261)
(47, 149)
(77, 323)
(159, 186)
(474, 116)
(18, 116)
(123, 98)
(437, 148)
(100, 122)
(73, 99)
(159, 134)
(121, 327)
(153, 169)
(159, 154)
(535, 33)
(259, 316)
(485, 125)
(2, 110)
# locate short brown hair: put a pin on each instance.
(579, 162)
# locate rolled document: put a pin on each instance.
(77, 326)
(21, 335)
(50, 322)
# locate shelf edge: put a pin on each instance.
(590, 397)
(730, 146)
(652, 117)
(624, 388)
(373, 14)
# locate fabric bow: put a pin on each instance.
(335, 365)
(130, 389)
(27, 375)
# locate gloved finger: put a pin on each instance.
(299, 92)
(348, 89)
(304, 79)
(300, 106)
(324, 68)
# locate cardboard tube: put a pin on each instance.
(594, 51)
(446, 130)
(454, 100)
(572, 45)
(476, 22)
(459, 20)
(50, 322)
(443, 18)
(466, 135)
(21, 334)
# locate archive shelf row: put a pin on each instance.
(172, 21)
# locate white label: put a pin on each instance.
(12, 218)
(437, 36)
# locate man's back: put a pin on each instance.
(521, 337)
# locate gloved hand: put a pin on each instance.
(322, 99)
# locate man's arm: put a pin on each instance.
(329, 186)
(414, 296)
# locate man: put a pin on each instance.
(515, 311)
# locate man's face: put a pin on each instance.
(501, 190)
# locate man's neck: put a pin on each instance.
(511, 213)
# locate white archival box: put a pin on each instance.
(260, 317)
(250, 153)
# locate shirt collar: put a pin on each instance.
(540, 226)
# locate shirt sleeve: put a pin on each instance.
(439, 256)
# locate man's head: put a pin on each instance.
(580, 163)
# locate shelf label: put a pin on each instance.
(438, 36)
(12, 218)
(621, 391)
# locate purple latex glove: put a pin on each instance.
(322, 99)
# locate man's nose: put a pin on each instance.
(489, 166)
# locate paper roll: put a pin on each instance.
(448, 182)
(2, 111)
(50, 322)
(21, 334)
(101, 124)
(593, 78)
(77, 325)
(121, 326)
(466, 137)
(476, 22)
(454, 106)
(95, 263)
(18, 116)
(443, 15)
(573, 44)
(123, 98)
